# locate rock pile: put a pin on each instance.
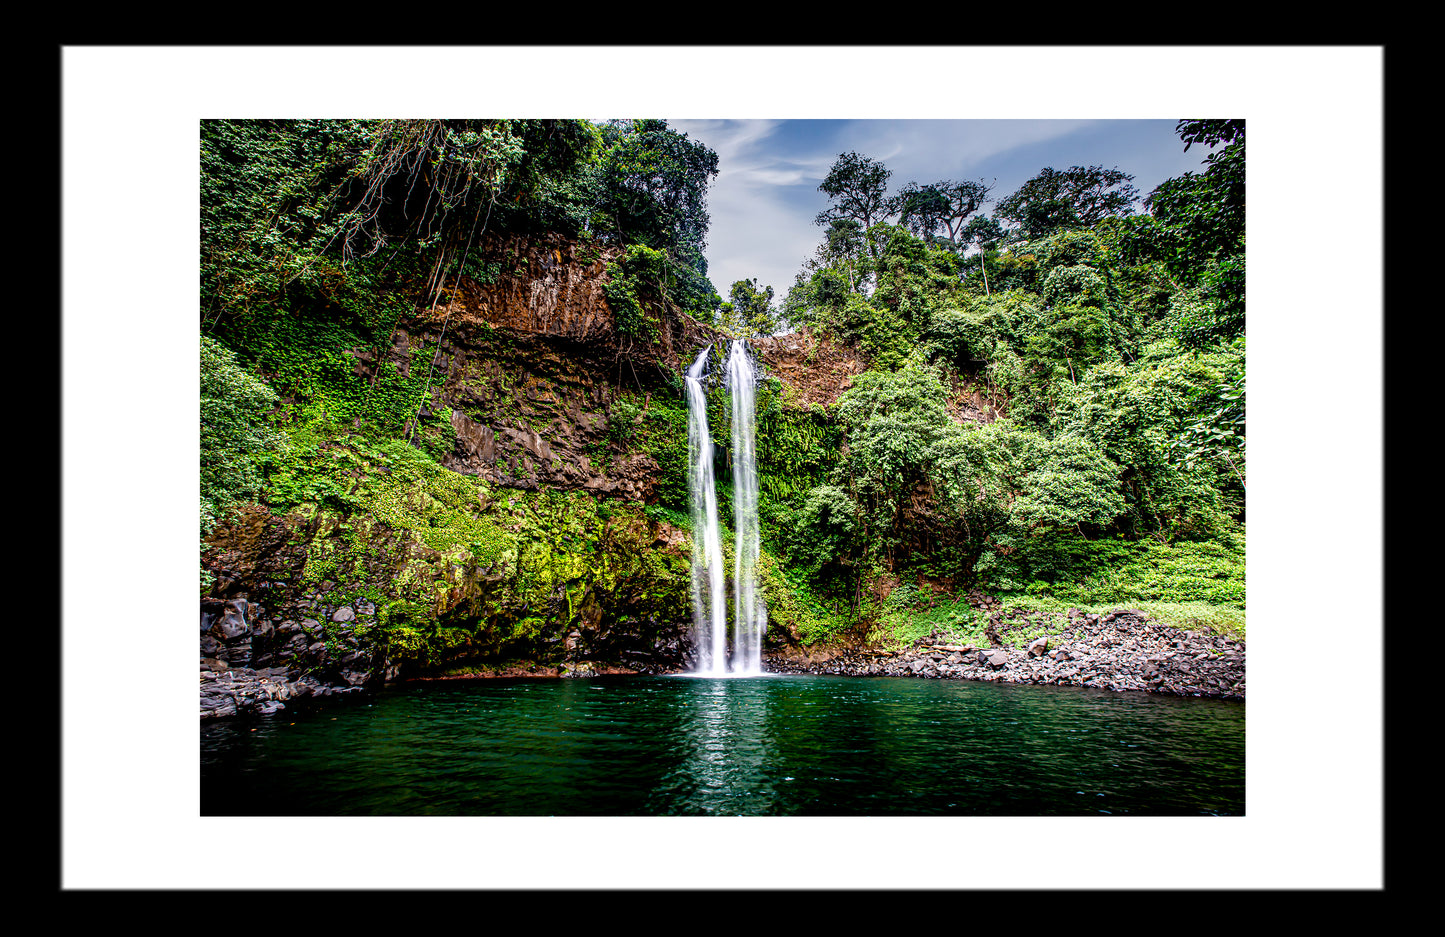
(1123, 650)
(253, 664)
(227, 692)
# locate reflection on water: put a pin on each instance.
(758, 746)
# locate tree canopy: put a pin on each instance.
(319, 209)
(1107, 341)
(749, 310)
(1077, 197)
(858, 187)
(941, 211)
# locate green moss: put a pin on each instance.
(459, 567)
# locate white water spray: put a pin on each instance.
(749, 614)
(709, 607)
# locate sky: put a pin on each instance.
(765, 196)
(128, 315)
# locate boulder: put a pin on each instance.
(231, 623)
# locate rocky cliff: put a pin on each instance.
(528, 542)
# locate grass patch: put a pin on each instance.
(1186, 616)
(1193, 586)
(909, 614)
(1198, 616)
(913, 615)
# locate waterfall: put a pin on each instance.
(749, 615)
(709, 607)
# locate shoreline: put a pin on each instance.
(1122, 651)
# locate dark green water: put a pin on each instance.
(766, 746)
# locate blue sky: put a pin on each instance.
(765, 196)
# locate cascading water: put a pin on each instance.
(709, 607)
(749, 614)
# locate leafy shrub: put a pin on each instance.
(634, 289)
(234, 436)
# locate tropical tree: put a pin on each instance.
(857, 185)
(1077, 197)
(650, 188)
(939, 211)
(749, 309)
(892, 420)
(1202, 221)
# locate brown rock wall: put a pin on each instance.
(815, 368)
(531, 364)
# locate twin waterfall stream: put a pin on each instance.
(709, 586)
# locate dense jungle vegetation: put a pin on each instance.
(1109, 338)
(1053, 409)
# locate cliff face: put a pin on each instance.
(532, 363)
(529, 548)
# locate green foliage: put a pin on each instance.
(622, 420)
(266, 205)
(1134, 415)
(796, 447)
(635, 288)
(417, 175)
(749, 311)
(877, 330)
(823, 530)
(663, 436)
(1077, 284)
(338, 214)
(312, 360)
(342, 213)
(649, 188)
(1207, 209)
(1203, 217)
(1217, 434)
(794, 607)
(1079, 196)
(892, 418)
(1070, 334)
(1074, 485)
(1207, 315)
(910, 614)
(982, 231)
(914, 280)
(939, 212)
(234, 436)
(977, 473)
(857, 186)
(1079, 570)
(958, 336)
